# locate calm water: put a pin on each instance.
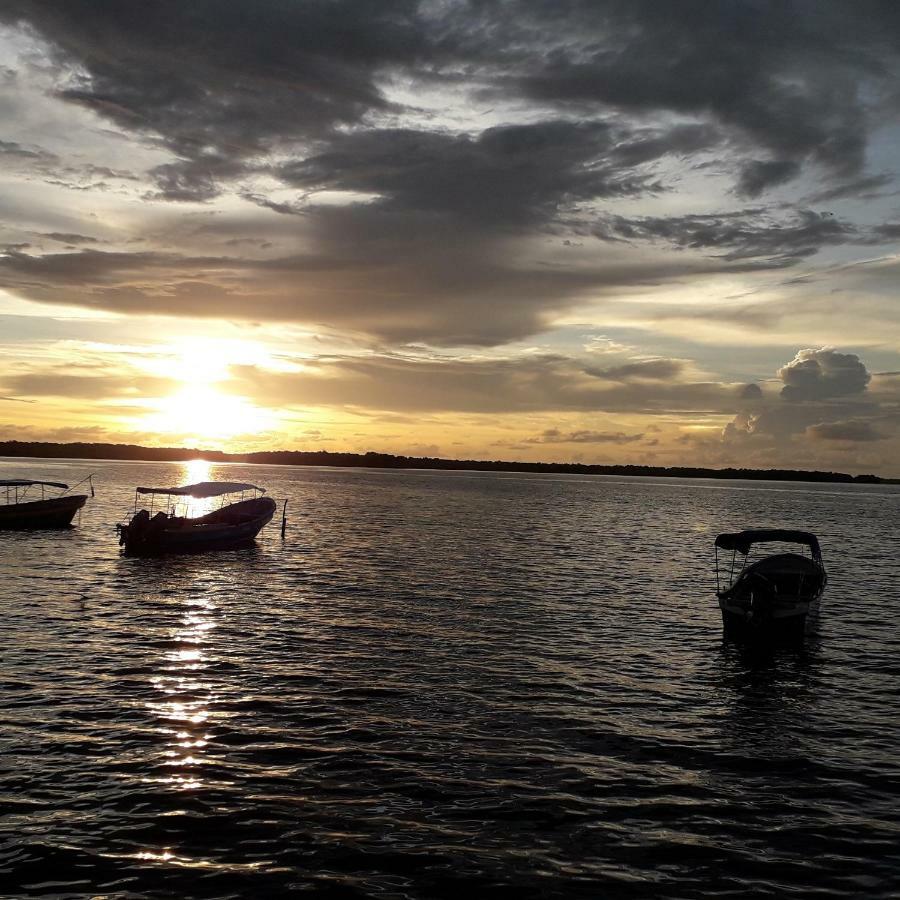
(441, 684)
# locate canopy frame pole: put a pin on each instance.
(717, 570)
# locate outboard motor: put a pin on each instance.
(132, 532)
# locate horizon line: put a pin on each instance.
(367, 459)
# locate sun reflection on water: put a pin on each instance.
(195, 471)
(185, 712)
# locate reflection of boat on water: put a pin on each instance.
(773, 594)
(22, 510)
(230, 527)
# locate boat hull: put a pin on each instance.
(55, 512)
(231, 528)
(743, 625)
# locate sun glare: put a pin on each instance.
(206, 360)
(196, 470)
(201, 363)
(202, 410)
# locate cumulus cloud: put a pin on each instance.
(751, 392)
(819, 374)
(824, 399)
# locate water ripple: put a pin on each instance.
(447, 682)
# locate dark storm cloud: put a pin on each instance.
(682, 140)
(782, 74)
(191, 182)
(606, 96)
(518, 174)
(759, 175)
(744, 234)
(221, 82)
(226, 78)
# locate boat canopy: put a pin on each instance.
(204, 489)
(25, 482)
(743, 540)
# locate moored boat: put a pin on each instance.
(23, 509)
(232, 526)
(772, 595)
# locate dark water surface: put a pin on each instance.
(444, 685)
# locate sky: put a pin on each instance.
(611, 231)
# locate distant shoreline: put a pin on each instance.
(371, 460)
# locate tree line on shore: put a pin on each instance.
(374, 460)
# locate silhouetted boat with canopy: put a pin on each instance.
(22, 509)
(232, 526)
(773, 594)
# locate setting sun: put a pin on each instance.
(201, 411)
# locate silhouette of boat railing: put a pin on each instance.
(772, 594)
(233, 524)
(22, 509)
